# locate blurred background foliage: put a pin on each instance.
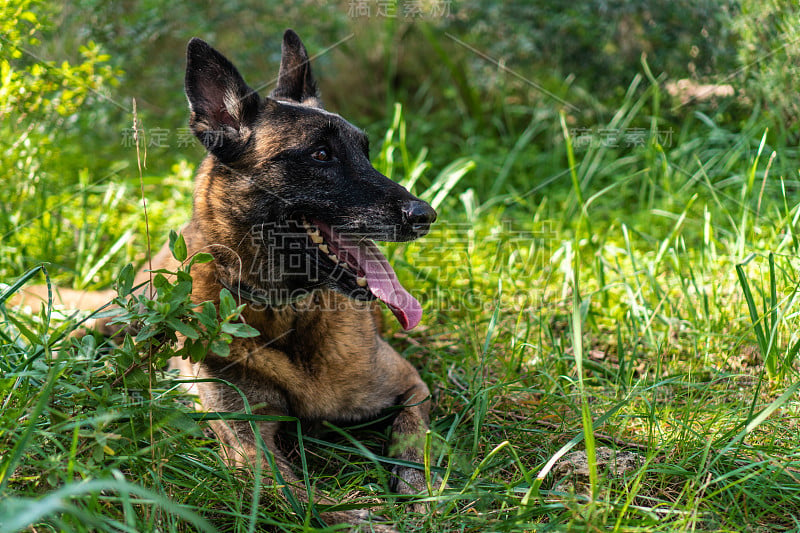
(476, 79)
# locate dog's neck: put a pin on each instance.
(305, 329)
(275, 298)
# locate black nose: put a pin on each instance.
(420, 213)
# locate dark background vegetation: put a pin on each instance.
(586, 53)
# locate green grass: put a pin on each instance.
(642, 298)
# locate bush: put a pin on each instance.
(40, 101)
(769, 56)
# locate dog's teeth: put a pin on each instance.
(362, 282)
(333, 258)
(316, 238)
(324, 248)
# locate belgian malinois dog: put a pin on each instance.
(288, 204)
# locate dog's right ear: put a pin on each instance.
(295, 80)
(223, 106)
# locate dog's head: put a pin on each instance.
(285, 175)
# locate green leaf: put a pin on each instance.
(220, 348)
(125, 280)
(87, 346)
(227, 305)
(137, 379)
(181, 292)
(183, 328)
(146, 332)
(756, 319)
(128, 345)
(197, 350)
(201, 257)
(160, 282)
(239, 329)
(161, 308)
(207, 315)
(177, 246)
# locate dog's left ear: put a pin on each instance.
(223, 106)
(295, 81)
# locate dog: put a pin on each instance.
(287, 202)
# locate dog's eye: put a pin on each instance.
(321, 155)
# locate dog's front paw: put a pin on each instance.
(373, 528)
(408, 481)
(360, 520)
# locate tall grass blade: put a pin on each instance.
(6, 292)
(446, 180)
(21, 513)
(756, 319)
(577, 346)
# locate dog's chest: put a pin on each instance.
(329, 365)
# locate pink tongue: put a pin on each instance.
(382, 280)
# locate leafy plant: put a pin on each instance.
(38, 100)
(169, 312)
(95, 425)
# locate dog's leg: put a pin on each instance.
(241, 451)
(240, 448)
(408, 443)
(408, 432)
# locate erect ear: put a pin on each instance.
(295, 80)
(223, 106)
